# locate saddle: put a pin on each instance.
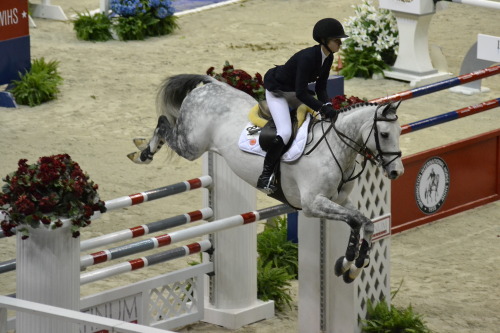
(263, 129)
(261, 118)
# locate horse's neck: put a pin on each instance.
(352, 124)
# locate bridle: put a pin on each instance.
(379, 158)
(360, 149)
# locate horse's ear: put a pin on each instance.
(390, 108)
(386, 110)
(397, 105)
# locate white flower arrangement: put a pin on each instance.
(373, 41)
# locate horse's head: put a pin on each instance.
(382, 139)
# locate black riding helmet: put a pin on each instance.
(328, 28)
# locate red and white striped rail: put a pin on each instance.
(441, 85)
(449, 116)
(171, 222)
(150, 195)
(161, 192)
(146, 261)
(181, 235)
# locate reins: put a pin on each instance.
(360, 149)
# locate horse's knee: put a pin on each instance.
(369, 227)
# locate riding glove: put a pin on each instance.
(327, 111)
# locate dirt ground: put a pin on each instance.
(449, 268)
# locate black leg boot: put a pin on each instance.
(272, 158)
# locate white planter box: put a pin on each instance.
(418, 7)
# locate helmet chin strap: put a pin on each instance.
(326, 46)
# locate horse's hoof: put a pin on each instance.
(141, 143)
(351, 274)
(136, 158)
(362, 263)
(347, 277)
(341, 266)
(367, 262)
(266, 190)
(133, 156)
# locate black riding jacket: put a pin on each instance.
(301, 69)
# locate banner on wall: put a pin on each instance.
(14, 39)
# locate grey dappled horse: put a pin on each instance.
(198, 113)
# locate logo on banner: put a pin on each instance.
(432, 185)
(13, 19)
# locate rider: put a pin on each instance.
(287, 85)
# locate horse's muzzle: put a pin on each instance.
(393, 175)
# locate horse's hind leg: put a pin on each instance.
(148, 149)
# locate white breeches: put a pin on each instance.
(278, 106)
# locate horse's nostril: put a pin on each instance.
(393, 174)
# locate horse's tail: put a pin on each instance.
(173, 91)
(170, 96)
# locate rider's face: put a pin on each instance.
(334, 44)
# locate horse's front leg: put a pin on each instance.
(344, 266)
(357, 255)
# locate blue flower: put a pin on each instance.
(154, 3)
(126, 8)
(161, 13)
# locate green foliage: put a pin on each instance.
(131, 20)
(92, 27)
(277, 263)
(162, 27)
(360, 63)
(273, 283)
(383, 318)
(132, 27)
(373, 41)
(274, 248)
(39, 84)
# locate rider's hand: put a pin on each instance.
(328, 112)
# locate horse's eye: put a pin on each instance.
(384, 135)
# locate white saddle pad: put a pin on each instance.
(250, 142)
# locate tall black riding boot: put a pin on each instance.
(272, 158)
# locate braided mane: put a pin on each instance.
(348, 108)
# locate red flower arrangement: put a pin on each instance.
(240, 80)
(342, 101)
(41, 193)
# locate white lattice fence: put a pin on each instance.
(166, 301)
(372, 197)
(173, 300)
(326, 302)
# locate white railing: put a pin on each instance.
(60, 314)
